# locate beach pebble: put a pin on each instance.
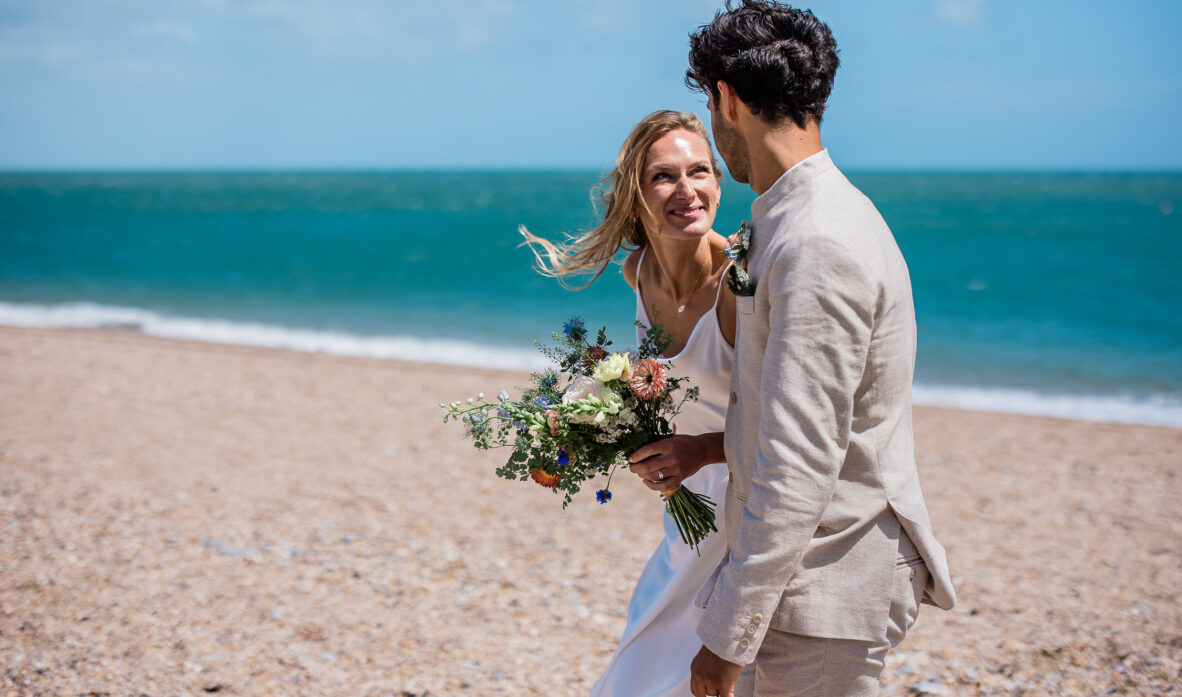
(928, 687)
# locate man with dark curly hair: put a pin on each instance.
(831, 545)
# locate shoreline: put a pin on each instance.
(1124, 408)
(178, 516)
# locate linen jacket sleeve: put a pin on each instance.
(821, 306)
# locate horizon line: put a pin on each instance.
(507, 169)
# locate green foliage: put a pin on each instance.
(567, 442)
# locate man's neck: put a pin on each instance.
(776, 148)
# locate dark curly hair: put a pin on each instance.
(779, 60)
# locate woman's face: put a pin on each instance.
(679, 185)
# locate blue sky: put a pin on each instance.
(924, 84)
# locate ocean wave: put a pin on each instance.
(1148, 409)
(421, 350)
(1151, 409)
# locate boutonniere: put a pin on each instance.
(739, 244)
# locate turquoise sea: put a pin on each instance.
(1048, 293)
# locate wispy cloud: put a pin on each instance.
(80, 34)
(964, 13)
(165, 29)
(376, 28)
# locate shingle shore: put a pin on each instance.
(185, 519)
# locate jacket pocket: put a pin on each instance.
(702, 599)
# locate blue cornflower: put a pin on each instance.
(603, 496)
(479, 422)
(549, 380)
(543, 401)
(504, 414)
(563, 458)
(574, 329)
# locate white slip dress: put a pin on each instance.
(660, 639)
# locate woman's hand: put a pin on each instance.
(664, 464)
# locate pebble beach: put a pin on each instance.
(182, 518)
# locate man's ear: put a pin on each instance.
(728, 102)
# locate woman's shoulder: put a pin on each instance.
(632, 266)
(725, 307)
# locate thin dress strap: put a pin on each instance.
(718, 290)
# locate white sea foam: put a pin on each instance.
(90, 315)
(1162, 410)
(1154, 410)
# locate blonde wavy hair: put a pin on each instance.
(617, 195)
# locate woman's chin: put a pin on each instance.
(692, 231)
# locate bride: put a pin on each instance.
(663, 196)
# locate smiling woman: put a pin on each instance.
(679, 197)
(663, 197)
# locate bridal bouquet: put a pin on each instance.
(583, 420)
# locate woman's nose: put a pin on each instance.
(683, 187)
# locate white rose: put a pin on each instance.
(611, 368)
(581, 387)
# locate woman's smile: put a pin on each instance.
(688, 212)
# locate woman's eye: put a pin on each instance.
(659, 176)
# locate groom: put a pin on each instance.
(831, 547)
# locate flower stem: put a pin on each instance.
(693, 514)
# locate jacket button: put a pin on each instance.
(734, 398)
(752, 627)
(757, 618)
(744, 643)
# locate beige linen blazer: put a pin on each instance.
(818, 434)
